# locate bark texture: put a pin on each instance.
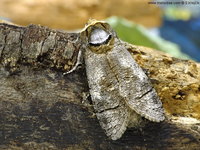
(40, 108)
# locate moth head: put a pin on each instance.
(99, 36)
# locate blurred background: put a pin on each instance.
(169, 26)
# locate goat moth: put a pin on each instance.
(120, 90)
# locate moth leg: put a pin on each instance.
(79, 61)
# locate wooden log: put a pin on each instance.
(40, 108)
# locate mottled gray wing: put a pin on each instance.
(134, 85)
(109, 105)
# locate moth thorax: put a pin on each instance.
(100, 41)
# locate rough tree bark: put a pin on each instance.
(40, 108)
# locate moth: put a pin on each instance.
(120, 90)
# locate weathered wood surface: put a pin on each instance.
(40, 108)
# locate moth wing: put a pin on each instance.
(109, 105)
(134, 85)
(114, 121)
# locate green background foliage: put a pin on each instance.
(138, 35)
